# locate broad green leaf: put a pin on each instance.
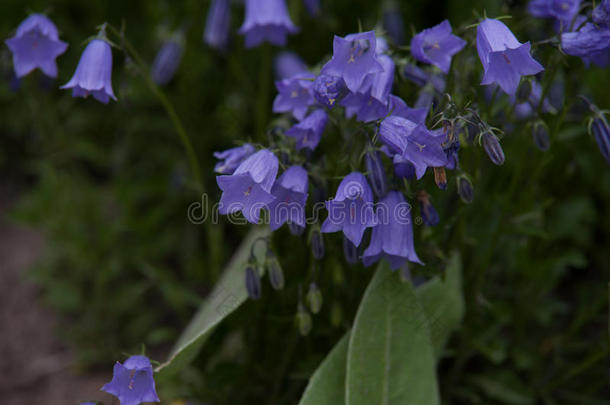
(229, 293)
(327, 385)
(443, 303)
(390, 357)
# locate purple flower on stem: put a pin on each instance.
(353, 59)
(399, 108)
(503, 57)
(601, 14)
(351, 211)
(436, 46)
(248, 189)
(394, 26)
(294, 95)
(328, 90)
(216, 33)
(590, 43)
(36, 44)
(376, 173)
(290, 192)
(231, 158)
(167, 60)
(492, 147)
(428, 212)
(394, 132)
(132, 382)
(424, 150)
(563, 11)
(392, 238)
(266, 20)
(288, 64)
(309, 131)
(94, 73)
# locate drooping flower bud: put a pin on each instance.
(317, 244)
(314, 298)
(440, 177)
(303, 320)
(540, 133)
(465, 190)
(276, 274)
(167, 60)
(599, 129)
(492, 147)
(350, 251)
(427, 210)
(375, 173)
(217, 24)
(253, 283)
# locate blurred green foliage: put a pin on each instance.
(110, 187)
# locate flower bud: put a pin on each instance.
(465, 191)
(540, 133)
(376, 173)
(416, 75)
(317, 244)
(428, 213)
(440, 177)
(295, 229)
(303, 320)
(523, 91)
(167, 60)
(253, 283)
(350, 251)
(276, 274)
(314, 298)
(492, 147)
(599, 129)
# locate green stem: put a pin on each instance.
(169, 108)
(264, 83)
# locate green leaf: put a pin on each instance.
(443, 303)
(390, 358)
(229, 293)
(327, 385)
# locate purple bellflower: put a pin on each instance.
(294, 96)
(353, 59)
(36, 44)
(503, 57)
(392, 238)
(168, 59)
(288, 64)
(394, 26)
(436, 46)
(428, 212)
(563, 11)
(231, 158)
(290, 192)
(94, 73)
(266, 20)
(329, 90)
(399, 108)
(370, 102)
(309, 131)
(351, 211)
(414, 143)
(248, 189)
(132, 382)
(590, 43)
(217, 24)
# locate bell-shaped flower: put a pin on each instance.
(288, 64)
(309, 131)
(353, 59)
(248, 189)
(295, 95)
(217, 24)
(231, 158)
(36, 44)
(436, 46)
(601, 14)
(168, 59)
(399, 108)
(590, 43)
(392, 237)
(94, 73)
(290, 192)
(132, 382)
(563, 11)
(266, 20)
(503, 57)
(351, 211)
